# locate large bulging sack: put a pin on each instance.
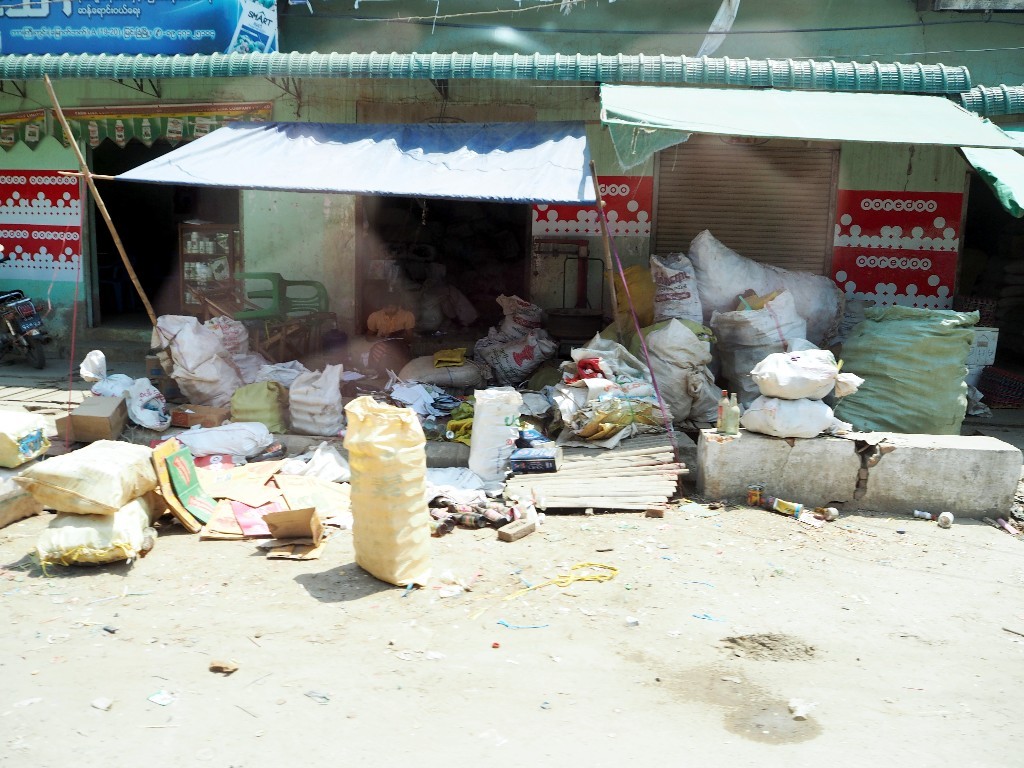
(747, 337)
(265, 402)
(675, 289)
(98, 479)
(388, 462)
(96, 539)
(679, 360)
(495, 429)
(722, 274)
(314, 402)
(809, 373)
(913, 362)
(789, 418)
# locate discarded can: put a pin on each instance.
(945, 520)
(470, 520)
(439, 528)
(755, 494)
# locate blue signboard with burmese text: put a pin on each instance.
(137, 26)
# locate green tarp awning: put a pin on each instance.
(1003, 171)
(644, 119)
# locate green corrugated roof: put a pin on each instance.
(1001, 100)
(620, 68)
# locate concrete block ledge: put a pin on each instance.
(969, 476)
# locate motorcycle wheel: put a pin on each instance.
(36, 355)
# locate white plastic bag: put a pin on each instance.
(240, 438)
(790, 418)
(94, 370)
(495, 430)
(95, 539)
(722, 274)
(147, 406)
(675, 289)
(93, 367)
(315, 402)
(809, 373)
(325, 463)
(98, 479)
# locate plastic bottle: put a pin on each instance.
(723, 403)
(783, 507)
(731, 417)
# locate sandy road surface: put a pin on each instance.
(897, 638)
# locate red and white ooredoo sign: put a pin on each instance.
(898, 247)
(40, 226)
(628, 202)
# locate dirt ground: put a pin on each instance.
(896, 633)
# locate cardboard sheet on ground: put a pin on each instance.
(331, 500)
(257, 472)
(250, 519)
(222, 525)
(298, 534)
(182, 470)
(160, 454)
(250, 492)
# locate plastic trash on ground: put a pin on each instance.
(325, 463)
(495, 429)
(240, 438)
(74, 539)
(22, 437)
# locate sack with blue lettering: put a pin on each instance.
(22, 437)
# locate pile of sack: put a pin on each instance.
(104, 498)
(606, 395)
(517, 348)
(792, 388)
(212, 365)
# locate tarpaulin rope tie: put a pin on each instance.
(567, 579)
(667, 422)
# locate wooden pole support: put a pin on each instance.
(606, 242)
(99, 201)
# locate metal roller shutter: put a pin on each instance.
(772, 202)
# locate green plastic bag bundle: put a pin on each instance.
(265, 402)
(913, 362)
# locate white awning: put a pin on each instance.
(502, 162)
(644, 119)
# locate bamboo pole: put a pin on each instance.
(99, 201)
(606, 242)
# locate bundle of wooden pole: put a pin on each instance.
(640, 474)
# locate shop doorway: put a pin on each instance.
(146, 217)
(412, 249)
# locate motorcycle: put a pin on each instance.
(21, 328)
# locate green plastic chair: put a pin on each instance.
(288, 300)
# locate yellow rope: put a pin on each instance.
(566, 579)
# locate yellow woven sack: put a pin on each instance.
(390, 522)
(265, 402)
(98, 479)
(641, 291)
(94, 539)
